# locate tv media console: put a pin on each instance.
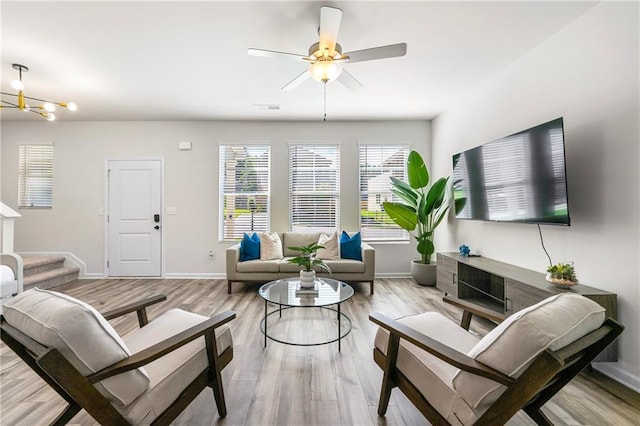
(495, 290)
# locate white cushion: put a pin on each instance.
(81, 335)
(6, 273)
(511, 346)
(270, 246)
(432, 376)
(171, 374)
(298, 239)
(331, 250)
(8, 282)
(7, 288)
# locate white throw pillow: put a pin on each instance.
(270, 246)
(331, 250)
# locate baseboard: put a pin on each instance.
(393, 275)
(92, 276)
(195, 275)
(611, 369)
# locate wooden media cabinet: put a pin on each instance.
(495, 290)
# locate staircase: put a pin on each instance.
(46, 272)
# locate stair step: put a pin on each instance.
(34, 265)
(51, 278)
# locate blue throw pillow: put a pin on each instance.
(249, 247)
(351, 247)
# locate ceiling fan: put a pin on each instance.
(325, 57)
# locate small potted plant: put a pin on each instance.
(562, 275)
(307, 259)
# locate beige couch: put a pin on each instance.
(268, 270)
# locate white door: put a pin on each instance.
(134, 222)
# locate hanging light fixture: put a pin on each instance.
(325, 65)
(41, 107)
(325, 71)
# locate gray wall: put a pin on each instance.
(191, 182)
(587, 73)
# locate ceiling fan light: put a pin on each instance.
(48, 106)
(71, 106)
(50, 116)
(325, 71)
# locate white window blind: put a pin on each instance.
(244, 190)
(35, 176)
(314, 187)
(377, 164)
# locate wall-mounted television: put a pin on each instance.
(518, 178)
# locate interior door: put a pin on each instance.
(134, 221)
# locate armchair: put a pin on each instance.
(146, 377)
(454, 377)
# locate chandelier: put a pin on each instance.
(41, 107)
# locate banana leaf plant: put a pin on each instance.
(422, 207)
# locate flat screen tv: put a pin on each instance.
(518, 178)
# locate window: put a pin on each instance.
(244, 190)
(314, 187)
(377, 164)
(35, 176)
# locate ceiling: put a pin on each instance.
(157, 60)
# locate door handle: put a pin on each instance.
(156, 218)
(156, 227)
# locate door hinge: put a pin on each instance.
(107, 218)
(107, 263)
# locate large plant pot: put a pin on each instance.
(423, 274)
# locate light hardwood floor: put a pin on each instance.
(286, 385)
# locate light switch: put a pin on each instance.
(171, 211)
(184, 146)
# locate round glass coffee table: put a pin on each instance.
(286, 294)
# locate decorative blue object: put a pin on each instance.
(249, 247)
(351, 247)
(464, 250)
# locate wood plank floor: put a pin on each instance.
(286, 385)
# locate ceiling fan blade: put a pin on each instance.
(330, 18)
(349, 81)
(296, 81)
(381, 52)
(273, 54)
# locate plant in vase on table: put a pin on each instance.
(307, 259)
(420, 211)
(562, 275)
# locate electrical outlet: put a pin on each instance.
(212, 255)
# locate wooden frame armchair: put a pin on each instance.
(122, 392)
(449, 384)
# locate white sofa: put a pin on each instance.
(268, 270)
(11, 270)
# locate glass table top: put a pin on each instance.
(286, 292)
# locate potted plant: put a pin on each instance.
(562, 275)
(307, 259)
(420, 212)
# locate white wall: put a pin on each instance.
(587, 73)
(191, 182)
